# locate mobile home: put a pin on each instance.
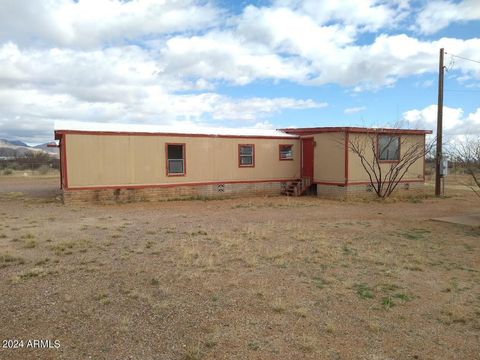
(123, 163)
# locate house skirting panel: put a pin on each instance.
(364, 190)
(160, 193)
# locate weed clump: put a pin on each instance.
(364, 291)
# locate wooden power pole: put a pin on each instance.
(438, 158)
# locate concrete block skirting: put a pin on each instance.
(364, 190)
(128, 195)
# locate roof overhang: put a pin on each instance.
(84, 128)
(360, 130)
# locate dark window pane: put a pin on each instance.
(389, 147)
(246, 150)
(175, 166)
(246, 160)
(286, 152)
(175, 151)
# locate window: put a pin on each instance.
(286, 152)
(246, 155)
(175, 159)
(388, 148)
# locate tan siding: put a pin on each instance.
(357, 173)
(329, 157)
(103, 160)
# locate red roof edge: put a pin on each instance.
(319, 130)
(60, 133)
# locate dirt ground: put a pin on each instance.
(251, 278)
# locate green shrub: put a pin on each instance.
(7, 172)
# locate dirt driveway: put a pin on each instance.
(255, 278)
(37, 186)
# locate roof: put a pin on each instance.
(318, 130)
(111, 128)
(80, 127)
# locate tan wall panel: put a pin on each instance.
(102, 160)
(329, 157)
(356, 172)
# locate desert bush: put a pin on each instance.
(43, 169)
(7, 172)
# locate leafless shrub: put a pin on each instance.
(465, 152)
(386, 170)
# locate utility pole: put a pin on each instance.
(438, 158)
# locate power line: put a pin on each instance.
(450, 66)
(458, 90)
(463, 58)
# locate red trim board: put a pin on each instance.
(63, 161)
(318, 130)
(119, 133)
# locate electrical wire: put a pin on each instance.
(450, 67)
(468, 91)
(463, 58)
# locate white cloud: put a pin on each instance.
(354, 110)
(291, 40)
(437, 15)
(267, 125)
(221, 55)
(122, 84)
(454, 120)
(366, 15)
(425, 83)
(267, 26)
(474, 119)
(159, 61)
(279, 54)
(88, 23)
(31, 113)
(254, 108)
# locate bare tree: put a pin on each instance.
(465, 152)
(386, 157)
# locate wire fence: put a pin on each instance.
(24, 164)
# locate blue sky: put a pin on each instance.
(264, 64)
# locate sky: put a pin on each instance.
(256, 64)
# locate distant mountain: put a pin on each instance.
(15, 142)
(12, 148)
(12, 143)
(47, 149)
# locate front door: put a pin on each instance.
(307, 158)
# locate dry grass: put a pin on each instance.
(8, 260)
(262, 278)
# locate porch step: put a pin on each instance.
(295, 188)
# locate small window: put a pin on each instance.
(246, 155)
(286, 152)
(388, 148)
(175, 159)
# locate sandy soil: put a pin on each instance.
(256, 278)
(47, 186)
